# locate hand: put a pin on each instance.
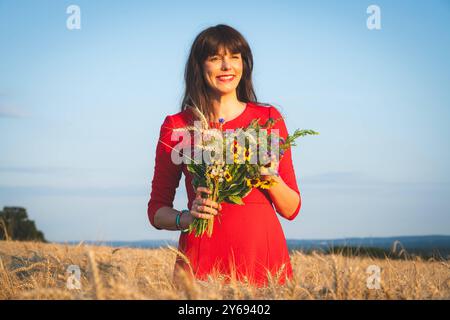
(204, 208)
(269, 171)
(275, 177)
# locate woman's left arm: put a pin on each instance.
(285, 194)
(286, 200)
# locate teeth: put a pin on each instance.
(226, 77)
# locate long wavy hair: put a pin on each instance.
(197, 94)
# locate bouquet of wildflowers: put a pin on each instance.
(234, 162)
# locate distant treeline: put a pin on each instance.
(401, 247)
(15, 225)
(378, 253)
(426, 247)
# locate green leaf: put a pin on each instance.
(196, 169)
(191, 168)
(235, 200)
(246, 191)
(290, 139)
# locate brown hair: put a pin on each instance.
(208, 43)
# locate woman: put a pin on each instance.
(248, 243)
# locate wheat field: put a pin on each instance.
(31, 270)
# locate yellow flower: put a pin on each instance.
(254, 183)
(267, 184)
(227, 176)
(236, 150)
(211, 173)
(247, 154)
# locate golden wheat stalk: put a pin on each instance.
(98, 287)
(5, 231)
(147, 274)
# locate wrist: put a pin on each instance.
(185, 219)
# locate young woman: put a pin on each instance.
(248, 243)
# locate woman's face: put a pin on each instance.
(223, 72)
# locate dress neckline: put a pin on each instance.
(226, 123)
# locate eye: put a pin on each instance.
(236, 57)
(213, 58)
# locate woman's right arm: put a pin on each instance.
(201, 208)
(166, 179)
(165, 219)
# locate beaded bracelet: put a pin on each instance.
(177, 220)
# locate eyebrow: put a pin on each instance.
(218, 54)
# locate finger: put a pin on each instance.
(203, 189)
(195, 205)
(201, 215)
(198, 196)
(209, 203)
(205, 209)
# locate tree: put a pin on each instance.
(15, 225)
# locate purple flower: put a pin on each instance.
(221, 120)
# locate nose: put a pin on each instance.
(225, 64)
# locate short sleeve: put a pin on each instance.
(286, 168)
(166, 176)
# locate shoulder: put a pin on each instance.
(265, 110)
(171, 122)
(178, 120)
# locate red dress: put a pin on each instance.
(248, 240)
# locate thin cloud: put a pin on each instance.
(53, 169)
(12, 112)
(37, 170)
(13, 192)
(356, 178)
(347, 177)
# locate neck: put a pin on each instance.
(226, 106)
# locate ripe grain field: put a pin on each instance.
(31, 270)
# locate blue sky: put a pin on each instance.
(80, 110)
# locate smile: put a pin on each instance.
(226, 78)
